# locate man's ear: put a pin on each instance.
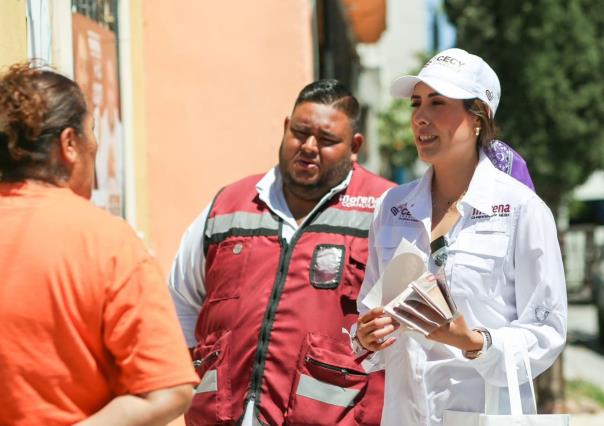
(357, 142)
(68, 142)
(285, 124)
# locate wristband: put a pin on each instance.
(357, 348)
(486, 344)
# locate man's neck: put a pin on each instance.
(299, 207)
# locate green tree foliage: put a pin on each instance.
(397, 144)
(549, 56)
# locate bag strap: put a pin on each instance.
(492, 392)
(529, 373)
(512, 379)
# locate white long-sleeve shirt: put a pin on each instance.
(505, 273)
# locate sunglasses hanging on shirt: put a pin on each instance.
(440, 250)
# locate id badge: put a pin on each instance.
(327, 265)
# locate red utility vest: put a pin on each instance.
(270, 328)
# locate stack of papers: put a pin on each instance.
(413, 296)
(424, 305)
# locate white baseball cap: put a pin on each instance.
(456, 74)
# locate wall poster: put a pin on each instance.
(96, 71)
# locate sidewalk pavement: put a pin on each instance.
(581, 362)
(587, 419)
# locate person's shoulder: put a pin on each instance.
(403, 190)
(82, 209)
(511, 186)
(247, 182)
(238, 194)
(398, 194)
(370, 181)
(78, 219)
(525, 201)
(367, 174)
(110, 224)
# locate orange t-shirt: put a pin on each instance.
(85, 314)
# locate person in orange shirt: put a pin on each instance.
(89, 333)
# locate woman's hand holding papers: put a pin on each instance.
(457, 333)
(454, 332)
(373, 328)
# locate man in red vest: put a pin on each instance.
(266, 279)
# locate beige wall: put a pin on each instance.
(220, 76)
(139, 124)
(13, 39)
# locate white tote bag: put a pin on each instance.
(516, 418)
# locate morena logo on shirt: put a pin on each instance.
(500, 210)
(360, 201)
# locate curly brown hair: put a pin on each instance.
(36, 105)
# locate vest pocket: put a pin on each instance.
(228, 266)
(328, 384)
(212, 396)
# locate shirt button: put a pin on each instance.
(237, 248)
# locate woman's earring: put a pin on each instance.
(477, 130)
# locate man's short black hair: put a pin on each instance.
(331, 92)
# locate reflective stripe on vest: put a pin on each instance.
(344, 222)
(332, 220)
(209, 382)
(250, 222)
(344, 218)
(247, 224)
(325, 392)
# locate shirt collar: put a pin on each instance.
(418, 203)
(267, 192)
(480, 193)
(270, 191)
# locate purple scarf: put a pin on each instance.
(508, 161)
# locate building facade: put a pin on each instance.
(190, 95)
(199, 90)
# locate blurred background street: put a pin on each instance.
(584, 367)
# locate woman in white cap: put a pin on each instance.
(503, 265)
